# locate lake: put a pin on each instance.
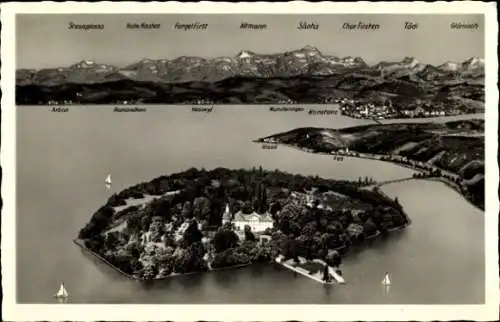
(63, 158)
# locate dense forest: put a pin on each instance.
(178, 228)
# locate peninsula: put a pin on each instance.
(200, 220)
(451, 152)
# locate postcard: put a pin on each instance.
(249, 161)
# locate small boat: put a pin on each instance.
(62, 293)
(386, 281)
(107, 181)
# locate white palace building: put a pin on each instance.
(257, 222)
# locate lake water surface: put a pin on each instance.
(63, 158)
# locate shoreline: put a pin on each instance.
(345, 250)
(462, 116)
(107, 257)
(80, 243)
(308, 275)
(376, 157)
(453, 186)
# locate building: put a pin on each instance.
(257, 222)
(420, 111)
(306, 199)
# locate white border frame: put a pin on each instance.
(80, 312)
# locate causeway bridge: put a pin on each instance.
(378, 184)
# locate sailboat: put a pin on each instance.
(107, 181)
(386, 281)
(62, 293)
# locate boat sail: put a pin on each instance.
(107, 181)
(386, 281)
(62, 293)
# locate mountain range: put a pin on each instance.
(212, 78)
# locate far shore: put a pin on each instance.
(188, 107)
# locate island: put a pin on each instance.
(451, 152)
(203, 220)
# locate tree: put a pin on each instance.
(98, 223)
(136, 266)
(187, 210)
(191, 260)
(398, 220)
(96, 243)
(123, 260)
(247, 207)
(325, 240)
(369, 228)
(309, 229)
(249, 236)
(115, 201)
(283, 224)
(192, 234)
(150, 272)
(224, 239)
(157, 229)
(170, 241)
(326, 274)
(111, 240)
(291, 249)
(145, 222)
(262, 199)
(333, 258)
(164, 258)
(134, 249)
(275, 207)
(201, 208)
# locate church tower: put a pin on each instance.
(226, 216)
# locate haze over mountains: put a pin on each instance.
(195, 78)
(305, 61)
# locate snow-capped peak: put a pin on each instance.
(451, 66)
(310, 48)
(348, 60)
(359, 60)
(84, 64)
(473, 62)
(244, 54)
(410, 61)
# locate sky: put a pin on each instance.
(44, 41)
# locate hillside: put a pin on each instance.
(240, 90)
(455, 148)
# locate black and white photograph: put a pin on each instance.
(258, 159)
